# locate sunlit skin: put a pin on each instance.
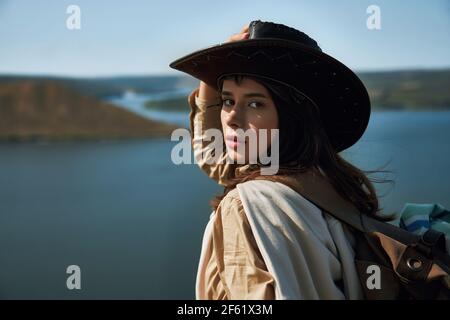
(246, 106)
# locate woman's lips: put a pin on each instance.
(233, 141)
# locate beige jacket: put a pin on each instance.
(235, 268)
(266, 241)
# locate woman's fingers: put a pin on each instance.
(245, 28)
(238, 36)
(241, 35)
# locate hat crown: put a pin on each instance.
(261, 29)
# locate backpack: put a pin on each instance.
(393, 263)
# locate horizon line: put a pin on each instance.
(179, 74)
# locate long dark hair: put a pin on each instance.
(298, 117)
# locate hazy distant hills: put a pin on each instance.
(72, 108)
(49, 110)
(106, 87)
(408, 89)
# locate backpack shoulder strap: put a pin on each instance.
(366, 224)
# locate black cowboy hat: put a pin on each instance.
(291, 57)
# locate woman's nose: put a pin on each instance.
(235, 117)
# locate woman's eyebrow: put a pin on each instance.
(248, 95)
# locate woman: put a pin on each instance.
(265, 238)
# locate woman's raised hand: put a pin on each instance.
(209, 93)
(239, 36)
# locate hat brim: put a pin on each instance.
(340, 95)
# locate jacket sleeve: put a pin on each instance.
(205, 114)
(242, 270)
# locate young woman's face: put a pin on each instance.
(246, 106)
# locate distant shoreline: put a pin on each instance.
(406, 89)
(40, 139)
(86, 140)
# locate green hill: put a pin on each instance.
(409, 90)
(171, 104)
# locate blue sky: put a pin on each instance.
(138, 37)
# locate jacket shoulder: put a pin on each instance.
(231, 199)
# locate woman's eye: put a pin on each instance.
(227, 102)
(255, 104)
(230, 102)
